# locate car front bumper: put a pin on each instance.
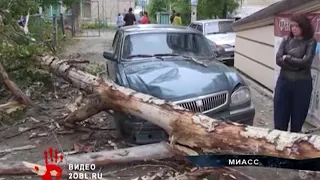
(144, 132)
(243, 115)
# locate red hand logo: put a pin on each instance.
(52, 166)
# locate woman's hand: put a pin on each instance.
(285, 57)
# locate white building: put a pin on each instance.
(104, 10)
(248, 7)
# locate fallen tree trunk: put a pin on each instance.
(193, 132)
(21, 97)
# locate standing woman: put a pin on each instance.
(177, 19)
(294, 85)
(145, 18)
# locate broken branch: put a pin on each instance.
(13, 87)
(17, 148)
(11, 106)
(94, 106)
(126, 155)
(26, 130)
(138, 153)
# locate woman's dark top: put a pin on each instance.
(301, 53)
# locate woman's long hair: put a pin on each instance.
(304, 24)
(146, 14)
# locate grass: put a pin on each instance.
(97, 25)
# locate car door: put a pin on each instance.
(112, 64)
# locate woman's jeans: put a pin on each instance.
(291, 100)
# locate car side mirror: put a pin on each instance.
(108, 55)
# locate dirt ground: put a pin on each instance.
(56, 105)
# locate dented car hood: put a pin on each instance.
(180, 79)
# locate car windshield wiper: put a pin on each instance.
(170, 54)
(139, 55)
(166, 54)
(142, 56)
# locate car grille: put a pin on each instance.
(206, 103)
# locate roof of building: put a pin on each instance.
(157, 28)
(211, 20)
(272, 10)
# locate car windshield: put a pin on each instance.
(146, 45)
(218, 27)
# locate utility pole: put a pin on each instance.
(143, 4)
(118, 11)
(194, 4)
(61, 7)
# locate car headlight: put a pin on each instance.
(240, 96)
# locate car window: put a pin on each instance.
(186, 44)
(200, 28)
(193, 26)
(225, 26)
(218, 27)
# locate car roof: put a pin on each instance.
(144, 28)
(211, 20)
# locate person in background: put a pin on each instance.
(140, 17)
(294, 85)
(177, 19)
(129, 18)
(119, 20)
(145, 18)
(172, 16)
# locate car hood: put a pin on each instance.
(225, 38)
(179, 79)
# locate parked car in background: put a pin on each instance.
(174, 63)
(219, 32)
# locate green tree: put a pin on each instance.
(156, 6)
(208, 9)
(67, 3)
(17, 48)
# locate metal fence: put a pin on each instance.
(83, 20)
(48, 30)
(86, 21)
